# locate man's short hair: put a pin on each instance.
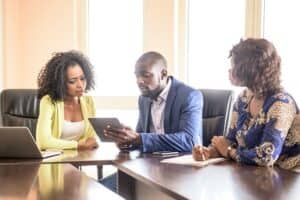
(151, 58)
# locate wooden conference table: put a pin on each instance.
(49, 182)
(147, 178)
(50, 178)
(144, 177)
(105, 154)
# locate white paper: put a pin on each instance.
(189, 160)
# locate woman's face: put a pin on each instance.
(234, 81)
(76, 81)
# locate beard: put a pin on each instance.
(152, 94)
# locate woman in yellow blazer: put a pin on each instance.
(64, 110)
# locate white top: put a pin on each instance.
(72, 130)
(158, 110)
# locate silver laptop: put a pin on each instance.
(17, 142)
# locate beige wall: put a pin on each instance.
(32, 31)
(11, 42)
(164, 31)
(253, 25)
(1, 44)
(158, 30)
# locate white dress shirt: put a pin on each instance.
(158, 110)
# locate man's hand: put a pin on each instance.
(88, 144)
(123, 136)
(221, 144)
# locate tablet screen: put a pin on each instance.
(100, 124)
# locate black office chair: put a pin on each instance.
(216, 113)
(20, 107)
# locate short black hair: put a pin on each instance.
(152, 57)
(52, 78)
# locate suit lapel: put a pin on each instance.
(170, 100)
(147, 114)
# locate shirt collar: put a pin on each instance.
(164, 94)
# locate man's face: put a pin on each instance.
(150, 79)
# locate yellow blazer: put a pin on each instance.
(50, 122)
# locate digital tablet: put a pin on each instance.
(100, 124)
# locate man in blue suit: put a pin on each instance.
(170, 112)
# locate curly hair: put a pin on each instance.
(52, 78)
(257, 65)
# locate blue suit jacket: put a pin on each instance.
(182, 120)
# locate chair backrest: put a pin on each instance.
(20, 107)
(216, 112)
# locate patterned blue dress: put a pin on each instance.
(272, 137)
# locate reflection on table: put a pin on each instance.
(226, 180)
(48, 182)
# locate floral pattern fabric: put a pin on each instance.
(272, 137)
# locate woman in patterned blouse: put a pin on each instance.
(262, 130)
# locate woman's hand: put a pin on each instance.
(204, 153)
(221, 144)
(88, 144)
(200, 153)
